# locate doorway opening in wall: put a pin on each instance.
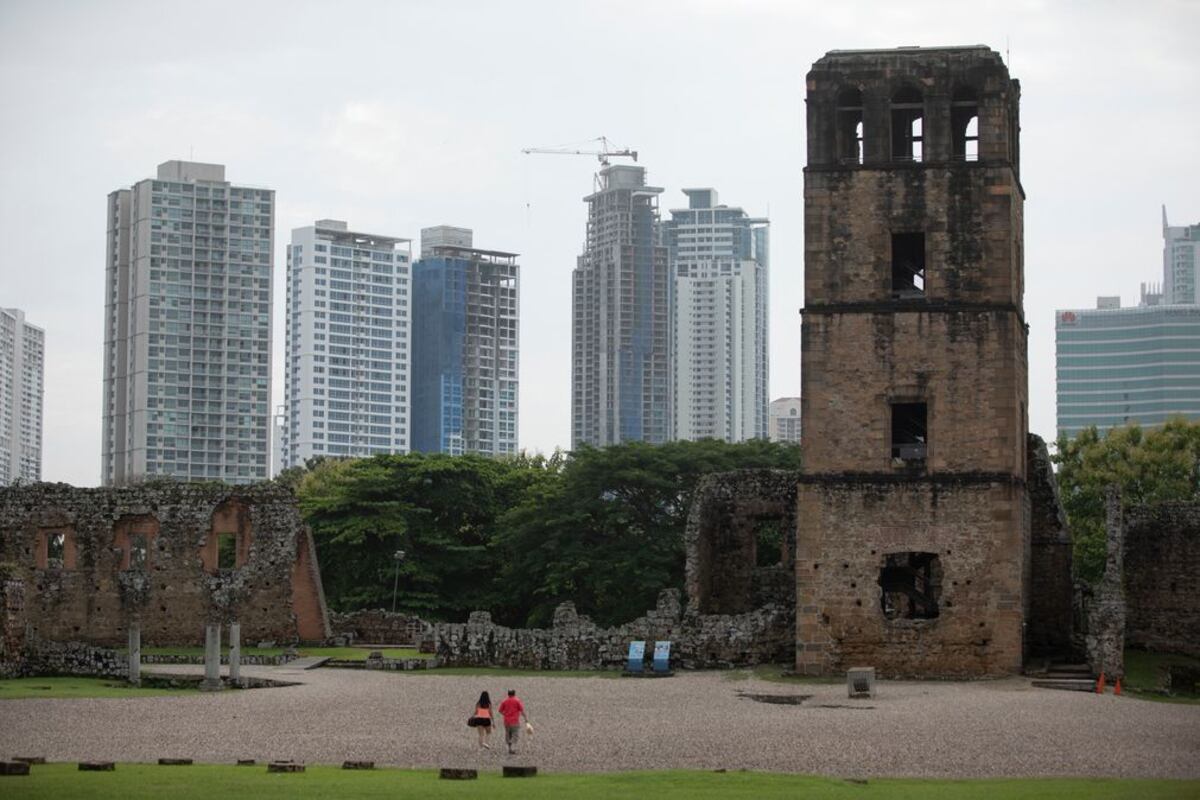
(910, 585)
(910, 434)
(56, 550)
(139, 550)
(226, 551)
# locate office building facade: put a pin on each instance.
(22, 374)
(1181, 254)
(620, 333)
(719, 266)
(1120, 366)
(187, 329)
(348, 343)
(785, 420)
(465, 346)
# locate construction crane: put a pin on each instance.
(605, 152)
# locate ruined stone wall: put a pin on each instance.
(847, 530)
(720, 541)
(1105, 606)
(377, 626)
(1162, 578)
(177, 583)
(1048, 631)
(12, 625)
(765, 635)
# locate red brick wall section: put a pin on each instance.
(308, 597)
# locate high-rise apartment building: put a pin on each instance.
(785, 420)
(187, 328)
(719, 260)
(465, 355)
(1118, 366)
(348, 347)
(22, 367)
(1181, 254)
(620, 333)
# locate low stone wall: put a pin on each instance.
(1162, 578)
(765, 635)
(376, 626)
(387, 664)
(245, 660)
(74, 658)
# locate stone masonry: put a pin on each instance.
(575, 642)
(728, 510)
(1162, 577)
(172, 557)
(913, 517)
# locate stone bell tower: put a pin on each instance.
(913, 518)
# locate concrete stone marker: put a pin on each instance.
(358, 765)
(97, 766)
(860, 682)
(14, 768)
(285, 766)
(246, 762)
(235, 653)
(456, 774)
(135, 654)
(212, 658)
(31, 759)
(175, 762)
(512, 771)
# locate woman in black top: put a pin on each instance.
(481, 720)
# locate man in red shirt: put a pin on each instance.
(512, 709)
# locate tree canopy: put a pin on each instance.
(600, 527)
(1150, 466)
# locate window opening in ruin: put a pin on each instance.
(908, 112)
(908, 265)
(850, 127)
(139, 550)
(909, 433)
(56, 550)
(910, 585)
(768, 541)
(226, 551)
(964, 124)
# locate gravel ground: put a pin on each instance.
(692, 721)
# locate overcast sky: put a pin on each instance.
(395, 116)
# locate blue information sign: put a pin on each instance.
(637, 655)
(662, 656)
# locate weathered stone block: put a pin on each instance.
(97, 766)
(457, 774)
(514, 771)
(285, 766)
(14, 768)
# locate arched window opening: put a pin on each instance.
(908, 115)
(850, 127)
(964, 124)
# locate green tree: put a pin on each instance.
(1150, 467)
(609, 534)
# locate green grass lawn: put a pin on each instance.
(132, 781)
(59, 688)
(1143, 674)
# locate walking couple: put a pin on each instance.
(512, 710)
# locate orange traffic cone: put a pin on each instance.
(1117, 687)
(1100, 684)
